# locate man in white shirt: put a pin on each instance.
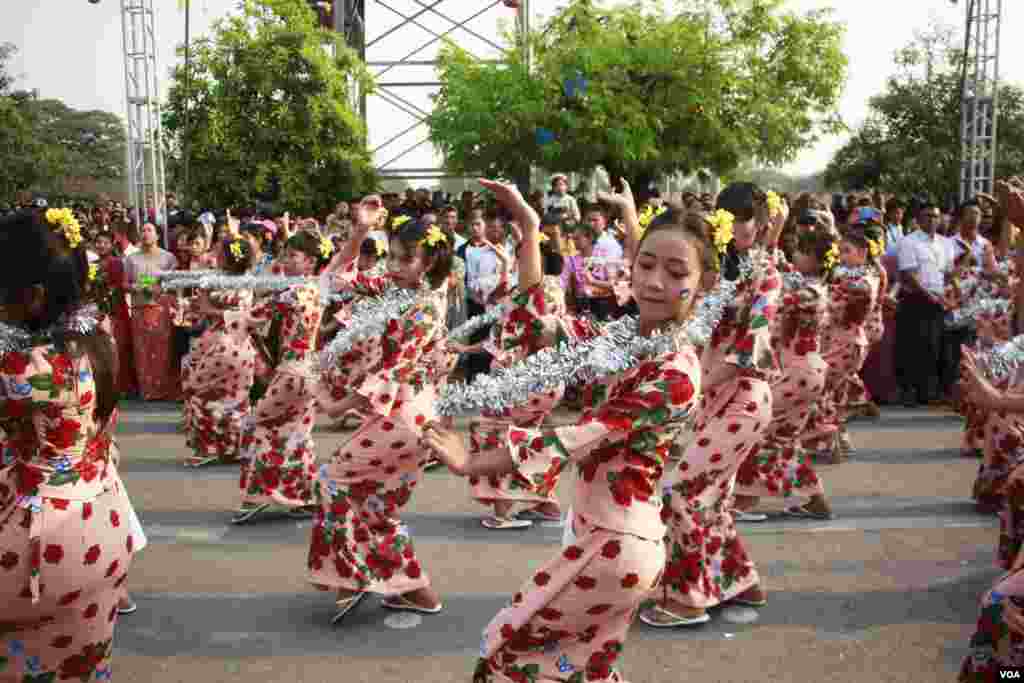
(925, 260)
(893, 226)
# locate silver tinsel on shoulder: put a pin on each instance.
(999, 362)
(82, 321)
(370, 318)
(479, 322)
(171, 275)
(965, 315)
(218, 280)
(793, 280)
(619, 348)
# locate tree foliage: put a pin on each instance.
(269, 111)
(706, 87)
(44, 142)
(910, 142)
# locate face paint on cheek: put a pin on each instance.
(684, 293)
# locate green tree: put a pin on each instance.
(707, 87)
(910, 142)
(270, 113)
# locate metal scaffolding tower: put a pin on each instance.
(980, 97)
(415, 70)
(146, 187)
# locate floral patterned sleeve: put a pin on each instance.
(750, 346)
(257, 319)
(406, 346)
(533, 316)
(635, 416)
(351, 278)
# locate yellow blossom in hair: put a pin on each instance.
(236, 250)
(94, 271)
(434, 237)
(774, 202)
(381, 249)
(831, 257)
(65, 220)
(722, 221)
(326, 247)
(647, 217)
(876, 248)
(399, 222)
(543, 238)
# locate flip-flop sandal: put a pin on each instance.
(209, 460)
(130, 609)
(505, 523)
(346, 605)
(676, 619)
(535, 515)
(802, 512)
(398, 602)
(741, 516)
(748, 603)
(245, 514)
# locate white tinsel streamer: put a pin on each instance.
(370, 318)
(999, 362)
(965, 315)
(256, 283)
(478, 322)
(169, 275)
(619, 348)
(82, 321)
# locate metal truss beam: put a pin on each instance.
(377, 54)
(980, 98)
(146, 181)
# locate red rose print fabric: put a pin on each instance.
(63, 560)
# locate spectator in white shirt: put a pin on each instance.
(893, 226)
(925, 261)
(561, 199)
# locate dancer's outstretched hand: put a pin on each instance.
(447, 446)
(623, 200)
(508, 195)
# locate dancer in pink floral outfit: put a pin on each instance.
(65, 540)
(707, 561)
(854, 294)
(781, 467)
(489, 430)
(570, 619)
(277, 446)
(358, 543)
(217, 374)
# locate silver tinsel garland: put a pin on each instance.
(619, 348)
(999, 362)
(370, 318)
(479, 322)
(82, 321)
(965, 315)
(170, 275)
(217, 280)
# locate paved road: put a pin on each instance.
(885, 592)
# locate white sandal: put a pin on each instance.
(346, 605)
(645, 616)
(495, 522)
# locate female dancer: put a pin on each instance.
(780, 467)
(358, 543)
(707, 563)
(217, 374)
(63, 516)
(487, 432)
(570, 620)
(854, 295)
(277, 448)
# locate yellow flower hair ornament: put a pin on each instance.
(434, 237)
(399, 222)
(94, 271)
(831, 257)
(543, 238)
(382, 250)
(647, 217)
(722, 221)
(236, 250)
(876, 247)
(326, 247)
(65, 221)
(774, 202)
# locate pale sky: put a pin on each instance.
(72, 50)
